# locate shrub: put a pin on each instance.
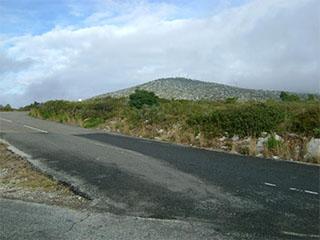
(231, 100)
(142, 97)
(311, 97)
(307, 122)
(92, 122)
(287, 97)
(272, 143)
(246, 120)
(316, 132)
(6, 108)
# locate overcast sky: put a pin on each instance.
(75, 49)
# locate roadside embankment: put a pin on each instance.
(20, 180)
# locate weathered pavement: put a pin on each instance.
(22, 220)
(240, 197)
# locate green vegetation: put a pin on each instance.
(231, 100)
(142, 98)
(287, 97)
(273, 143)
(212, 119)
(6, 108)
(199, 123)
(243, 120)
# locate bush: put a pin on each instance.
(316, 132)
(307, 122)
(272, 143)
(246, 120)
(287, 97)
(92, 122)
(210, 118)
(6, 108)
(231, 100)
(142, 97)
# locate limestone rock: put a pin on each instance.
(313, 149)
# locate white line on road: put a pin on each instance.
(305, 191)
(99, 144)
(6, 120)
(311, 192)
(270, 184)
(295, 189)
(35, 129)
(300, 234)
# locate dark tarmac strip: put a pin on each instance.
(239, 197)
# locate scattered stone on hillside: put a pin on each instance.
(277, 137)
(313, 149)
(235, 138)
(160, 131)
(222, 139)
(198, 136)
(260, 144)
(182, 88)
(293, 135)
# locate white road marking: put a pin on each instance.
(35, 129)
(305, 191)
(295, 189)
(270, 184)
(301, 234)
(6, 120)
(99, 144)
(311, 192)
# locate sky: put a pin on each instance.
(72, 49)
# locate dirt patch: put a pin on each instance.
(20, 180)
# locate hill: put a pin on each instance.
(182, 88)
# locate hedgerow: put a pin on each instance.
(211, 119)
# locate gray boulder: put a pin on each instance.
(313, 149)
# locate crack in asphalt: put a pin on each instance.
(77, 222)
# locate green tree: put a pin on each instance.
(287, 97)
(284, 96)
(142, 97)
(231, 100)
(311, 97)
(6, 108)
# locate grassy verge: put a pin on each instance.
(19, 180)
(230, 125)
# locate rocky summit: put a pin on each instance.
(182, 88)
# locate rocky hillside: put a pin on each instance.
(182, 88)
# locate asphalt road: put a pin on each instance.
(22, 220)
(239, 197)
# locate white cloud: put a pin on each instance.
(264, 44)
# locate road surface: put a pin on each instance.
(23, 220)
(243, 197)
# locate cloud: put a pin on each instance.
(262, 44)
